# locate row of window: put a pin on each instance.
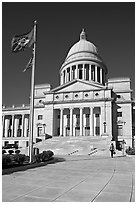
(16, 143)
(76, 95)
(19, 133)
(78, 116)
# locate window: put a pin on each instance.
(6, 143)
(119, 114)
(19, 133)
(98, 74)
(118, 96)
(39, 131)
(103, 77)
(77, 120)
(16, 143)
(97, 115)
(64, 76)
(66, 96)
(58, 116)
(87, 115)
(86, 95)
(93, 72)
(68, 72)
(20, 121)
(97, 130)
(87, 71)
(120, 130)
(40, 117)
(80, 73)
(27, 144)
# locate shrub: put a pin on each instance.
(38, 158)
(3, 151)
(6, 160)
(11, 151)
(20, 158)
(17, 151)
(42, 157)
(50, 153)
(130, 151)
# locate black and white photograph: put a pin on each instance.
(68, 101)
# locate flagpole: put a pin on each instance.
(31, 152)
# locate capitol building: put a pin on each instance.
(87, 103)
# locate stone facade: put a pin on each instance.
(86, 103)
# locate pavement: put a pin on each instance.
(74, 178)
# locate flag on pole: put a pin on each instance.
(21, 42)
(29, 65)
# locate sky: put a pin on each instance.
(110, 26)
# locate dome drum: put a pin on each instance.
(85, 71)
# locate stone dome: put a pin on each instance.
(82, 48)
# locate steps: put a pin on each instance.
(74, 145)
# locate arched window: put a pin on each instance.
(80, 71)
(68, 73)
(64, 76)
(98, 74)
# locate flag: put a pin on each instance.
(29, 65)
(20, 43)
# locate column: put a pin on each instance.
(91, 122)
(74, 124)
(66, 78)
(89, 71)
(103, 120)
(70, 73)
(100, 75)
(96, 73)
(64, 126)
(22, 133)
(81, 121)
(83, 70)
(61, 79)
(71, 121)
(12, 125)
(7, 122)
(3, 125)
(16, 125)
(77, 71)
(61, 122)
(26, 123)
(84, 124)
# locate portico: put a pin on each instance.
(78, 121)
(15, 125)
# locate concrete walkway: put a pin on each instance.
(75, 179)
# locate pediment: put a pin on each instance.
(78, 85)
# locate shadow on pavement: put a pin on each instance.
(25, 167)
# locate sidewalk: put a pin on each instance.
(77, 179)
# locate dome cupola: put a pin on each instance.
(83, 62)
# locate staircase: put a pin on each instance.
(74, 145)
